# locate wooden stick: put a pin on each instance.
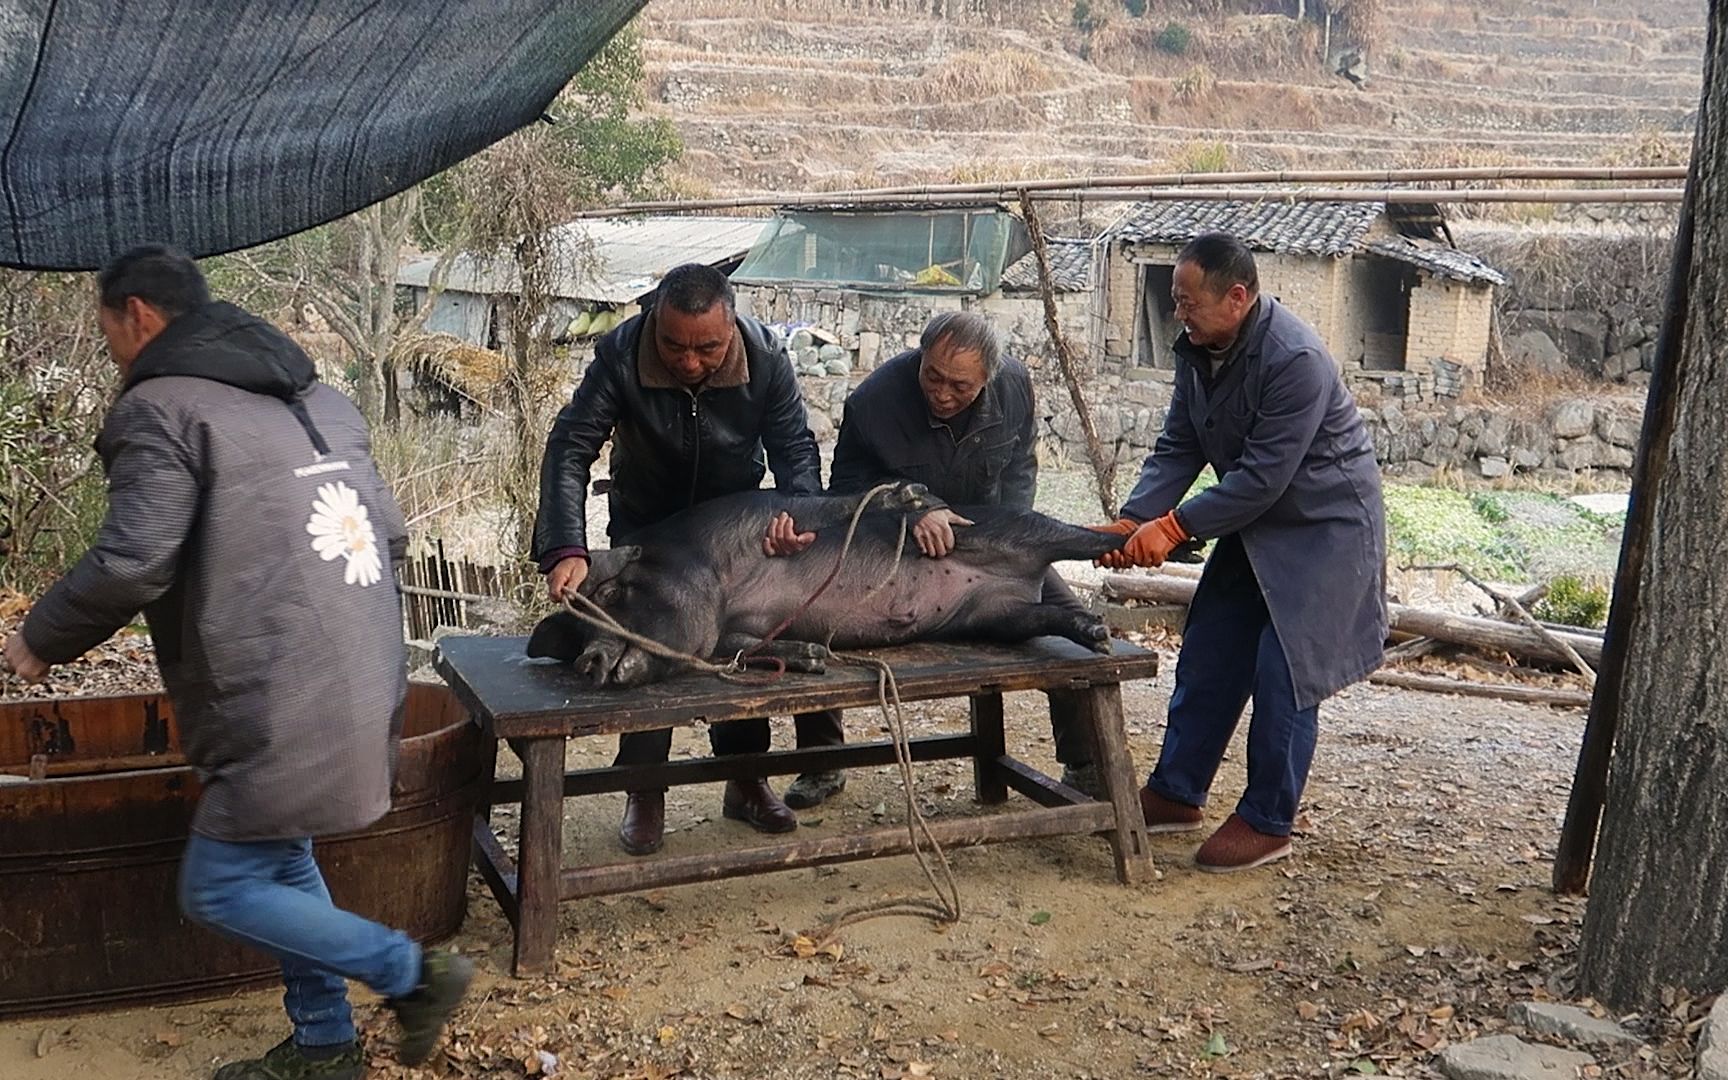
(1103, 471)
(1524, 616)
(1590, 780)
(1572, 699)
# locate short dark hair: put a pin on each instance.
(693, 289)
(1223, 261)
(160, 276)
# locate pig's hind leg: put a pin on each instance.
(1031, 541)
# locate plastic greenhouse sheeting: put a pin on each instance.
(215, 126)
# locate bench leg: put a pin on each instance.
(992, 743)
(540, 858)
(488, 770)
(1116, 768)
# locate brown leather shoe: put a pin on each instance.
(1166, 815)
(644, 824)
(754, 803)
(1237, 845)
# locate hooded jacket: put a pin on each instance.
(247, 520)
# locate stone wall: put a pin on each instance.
(838, 336)
(1414, 438)
(1584, 299)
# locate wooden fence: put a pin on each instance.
(439, 591)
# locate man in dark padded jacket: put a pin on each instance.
(957, 416)
(693, 397)
(247, 521)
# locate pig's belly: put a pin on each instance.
(925, 598)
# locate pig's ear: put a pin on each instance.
(606, 564)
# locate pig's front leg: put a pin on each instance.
(805, 657)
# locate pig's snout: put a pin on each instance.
(634, 668)
(598, 660)
(611, 662)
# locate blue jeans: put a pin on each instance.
(270, 895)
(1230, 651)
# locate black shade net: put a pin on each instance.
(214, 125)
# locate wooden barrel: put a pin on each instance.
(90, 852)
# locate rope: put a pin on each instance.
(945, 908)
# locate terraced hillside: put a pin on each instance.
(775, 95)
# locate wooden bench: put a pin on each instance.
(537, 704)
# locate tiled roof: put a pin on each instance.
(1070, 267)
(1436, 259)
(1300, 228)
(1306, 228)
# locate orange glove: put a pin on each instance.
(1150, 544)
(1121, 527)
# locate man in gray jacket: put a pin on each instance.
(247, 520)
(1292, 606)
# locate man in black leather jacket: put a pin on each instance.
(694, 397)
(958, 417)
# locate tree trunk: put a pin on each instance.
(1444, 626)
(1656, 917)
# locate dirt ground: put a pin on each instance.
(1415, 909)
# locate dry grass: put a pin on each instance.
(969, 75)
(1201, 157)
(1650, 147)
(1195, 84)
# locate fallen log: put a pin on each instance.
(1458, 629)
(1539, 695)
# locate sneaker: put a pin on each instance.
(444, 979)
(288, 1060)
(1085, 780)
(814, 788)
(1237, 845)
(1167, 815)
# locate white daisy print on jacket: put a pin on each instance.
(340, 526)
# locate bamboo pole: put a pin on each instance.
(1292, 176)
(1070, 185)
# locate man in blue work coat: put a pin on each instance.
(1292, 605)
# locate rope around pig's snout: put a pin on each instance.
(945, 908)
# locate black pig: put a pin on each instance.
(699, 583)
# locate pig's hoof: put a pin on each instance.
(1099, 638)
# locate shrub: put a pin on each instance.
(1195, 84)
(1202, 157)
(1136, 8)
(1173, 39)
(1572, 601)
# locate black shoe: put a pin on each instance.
(754, 803)
(814, 788)
(287, 1060)
(444, 979)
